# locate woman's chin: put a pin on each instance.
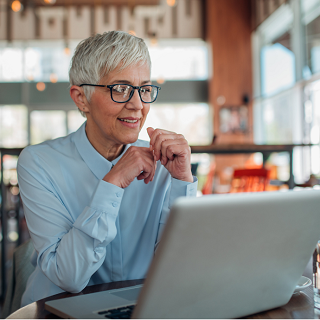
(131, 139)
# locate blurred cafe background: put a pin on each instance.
(240, 79)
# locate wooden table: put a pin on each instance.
(266, 150)
(36, 310)
(300, 306)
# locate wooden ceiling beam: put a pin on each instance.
(60, 3)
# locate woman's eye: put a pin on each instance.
(145, 90)
(119, 89)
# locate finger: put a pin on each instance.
(159, 141)
(153, 171)
(169, 149)
(150, 131)
(143, 175)
(182, 167)
(148, 179)
(149, 171)
(156, 133)
(137, 162)
(147, 176)
(140, 157)
(154, 168)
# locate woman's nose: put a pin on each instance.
(135, 101)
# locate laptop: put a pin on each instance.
(220, 256)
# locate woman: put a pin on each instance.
(96, 200)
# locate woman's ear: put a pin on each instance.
(79, 98)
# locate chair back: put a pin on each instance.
(249, 180)
(18, 277)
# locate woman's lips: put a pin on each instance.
(130, 122)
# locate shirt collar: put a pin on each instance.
(99, 165)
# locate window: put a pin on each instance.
(312, 127)
(286, 106)
(35, 61)
(11, 64)
(46, 125)
(174, 59)
(277, 66)
(313, 46)
(75, 120)
(179, 60)
(191, 120)
(277, 120)
(13, 126)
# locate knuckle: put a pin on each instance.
(136, 152)
(164, 144)
(170, 148)
(157, 138)
(132, 149)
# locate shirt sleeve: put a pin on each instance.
(69, 252)
(176, 189)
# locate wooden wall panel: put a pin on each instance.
(228, 30)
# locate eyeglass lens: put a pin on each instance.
(122, 92)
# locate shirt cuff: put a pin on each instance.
(181, 188)
(107, 197)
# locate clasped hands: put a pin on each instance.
(170, 148)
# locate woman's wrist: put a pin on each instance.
(188, 178)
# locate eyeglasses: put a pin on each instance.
(121, 93)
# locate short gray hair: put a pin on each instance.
(99, 55)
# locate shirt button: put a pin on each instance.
(115, 204)
(118, 194)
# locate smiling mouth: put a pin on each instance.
(129, 121)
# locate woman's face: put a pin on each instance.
(111, 123)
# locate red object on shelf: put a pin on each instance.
(207, 188)
(249, 180)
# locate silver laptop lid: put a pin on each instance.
(232, 255)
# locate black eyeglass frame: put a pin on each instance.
(131, 93)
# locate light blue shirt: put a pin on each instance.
(87, 231)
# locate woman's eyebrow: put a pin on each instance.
(129, 82)
(121, 81)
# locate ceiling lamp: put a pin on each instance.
(53, 78)
(171, 3)
(67, 51)
(161, 80)
(153, 40)
(41, 86)
(49, 1)
(16, 6)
